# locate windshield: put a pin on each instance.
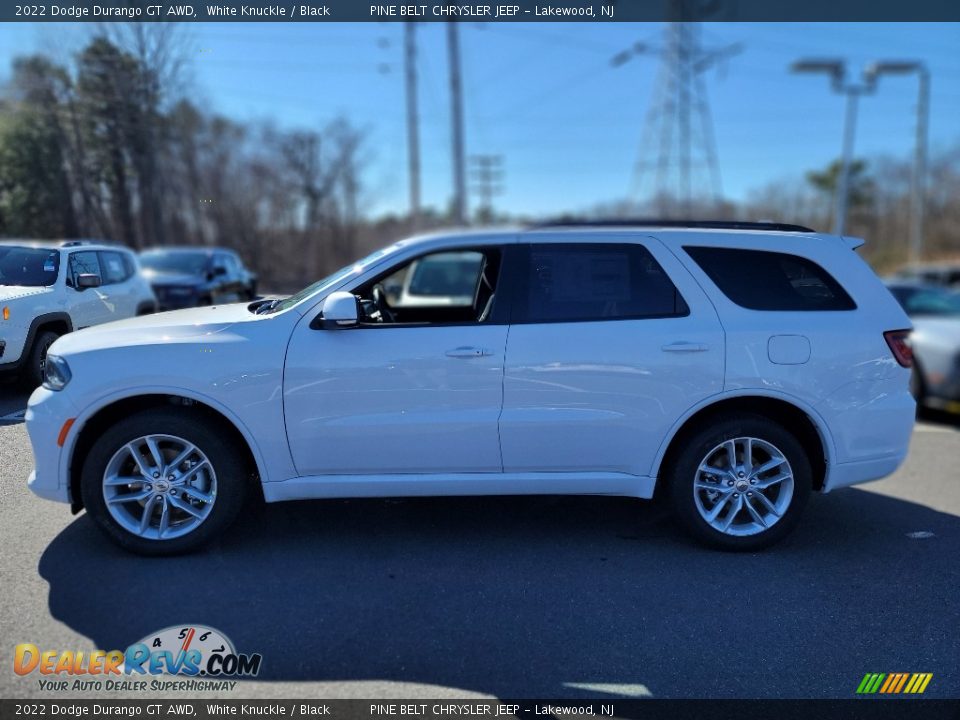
(30, 267)
(929, 302)
(340, 275)
(165, 261)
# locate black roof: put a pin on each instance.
(703, 224)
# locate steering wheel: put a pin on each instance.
(380, 300)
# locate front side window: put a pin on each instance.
(571, 283)
(447, 287)
(28, 267)
(86, 262)
(764, 280)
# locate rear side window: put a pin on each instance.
(570, 283)
(113, 267)
(762, 280)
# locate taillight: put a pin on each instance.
(897, 340)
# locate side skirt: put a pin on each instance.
(425, 485)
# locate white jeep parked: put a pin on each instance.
(48, 289)
(737, 368)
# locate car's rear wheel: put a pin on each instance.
(740, 482)
(163, 482)
(37, 361)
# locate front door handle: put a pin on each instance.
(468, 351)
(684, 347)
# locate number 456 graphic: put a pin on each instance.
(894, 683)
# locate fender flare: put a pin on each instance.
(34, 328)
(826, 437)
(66, 455)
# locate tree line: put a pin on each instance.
(104, 148)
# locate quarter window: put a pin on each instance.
(763, 280)
(602, 281)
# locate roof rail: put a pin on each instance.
(646, 222)
(77, 243)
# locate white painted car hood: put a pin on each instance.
(160, 328)
(15, 292)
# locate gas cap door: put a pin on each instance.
(788, 349)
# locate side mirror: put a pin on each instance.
(219, 270)
(340, 310)
(88, 280)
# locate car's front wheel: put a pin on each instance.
(163, 482)
(740, 482)
(37, 360)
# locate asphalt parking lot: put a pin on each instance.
(513, 597)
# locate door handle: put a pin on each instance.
(466, 351)
(684, 347)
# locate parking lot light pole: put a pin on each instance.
(918, 176)
(837, 70)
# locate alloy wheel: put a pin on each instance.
(743, 486)
(159, 487)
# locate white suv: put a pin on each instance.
(48, 289)
(734, 367)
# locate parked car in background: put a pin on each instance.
(48, 289)
(943, 274)
(724, 364)
(185, 277)
(935, 340)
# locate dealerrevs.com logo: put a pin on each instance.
(203, 655)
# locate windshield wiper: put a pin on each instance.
(267, 306)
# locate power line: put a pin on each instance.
(677, 160)
(487, 172)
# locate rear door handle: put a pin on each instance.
(465, 351)
(684, 347)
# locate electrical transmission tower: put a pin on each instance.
(677, 163)
(487, 175)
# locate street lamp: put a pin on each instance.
(837, 70)
(919, 175)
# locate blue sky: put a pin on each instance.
(546, 98)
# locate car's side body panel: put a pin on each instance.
(846, 371)
(560, 407)
(599, 395)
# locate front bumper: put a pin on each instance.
(47, 411)
(12, 340)
(168, 299)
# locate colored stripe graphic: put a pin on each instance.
(894, 683)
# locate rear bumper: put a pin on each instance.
(872, 438)
(853, 473)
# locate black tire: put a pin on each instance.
(918, 387)
(682, 472)
(33, 371)
(231, 473)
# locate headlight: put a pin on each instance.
(56, 373)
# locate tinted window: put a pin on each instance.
(30, 267)
(114, 269)
(84, 263)
(566, 283)
(762, 280)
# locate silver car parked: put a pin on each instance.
(935, 340)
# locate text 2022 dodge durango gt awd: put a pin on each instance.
(738, 366)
